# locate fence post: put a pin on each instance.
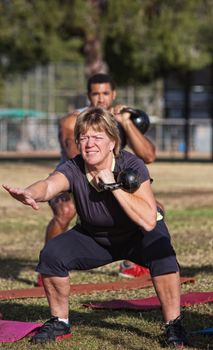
(186, 115)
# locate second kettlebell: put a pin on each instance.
(139, 118)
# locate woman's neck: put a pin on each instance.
(94, 169)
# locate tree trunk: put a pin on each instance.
(93, 41)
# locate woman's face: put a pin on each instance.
(95, 147)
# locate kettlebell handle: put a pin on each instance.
(128, 110)
(110, 186)
(128, 180)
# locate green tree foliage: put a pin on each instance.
(138, 40)
(151, 37)
(32, 32)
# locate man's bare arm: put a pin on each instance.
(138, 142)
(66, 134)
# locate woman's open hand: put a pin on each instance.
(22, 196)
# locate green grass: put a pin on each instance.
(189, 216)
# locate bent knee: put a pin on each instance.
(51, 260)
(48, 252)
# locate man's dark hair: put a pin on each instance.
(100, 78)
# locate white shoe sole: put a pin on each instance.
(125, 275)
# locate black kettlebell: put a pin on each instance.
(129, 180)
(139, 118)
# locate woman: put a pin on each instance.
(113, 225)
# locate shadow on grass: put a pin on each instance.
(191, 271)
(99, 320)
(192, 321)
(11, 267)
(12, 310)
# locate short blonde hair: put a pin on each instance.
(101, 120)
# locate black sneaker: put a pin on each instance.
(176, 334)
(51, 330)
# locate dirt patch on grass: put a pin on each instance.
(183, 185)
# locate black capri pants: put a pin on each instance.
(77, 250)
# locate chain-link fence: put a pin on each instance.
(59, 88)
(41, 136)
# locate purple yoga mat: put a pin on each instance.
(11, 331)
(152, 302)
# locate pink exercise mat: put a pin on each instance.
(152, 302)
(11, 331)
